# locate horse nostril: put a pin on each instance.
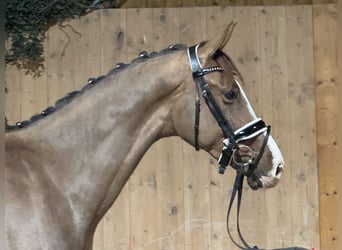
(280, 169)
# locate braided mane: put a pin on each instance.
(143, 56)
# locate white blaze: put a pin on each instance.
(249, 106)
(277, 158)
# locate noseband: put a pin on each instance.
(232, 146)
(234, 153)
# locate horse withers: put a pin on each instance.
(66, 166)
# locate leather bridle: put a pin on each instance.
(233, 140)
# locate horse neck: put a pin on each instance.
(96, 141)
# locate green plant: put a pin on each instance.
(26, 22)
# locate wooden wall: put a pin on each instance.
(176, 199)
(326, 75)
(339, 122)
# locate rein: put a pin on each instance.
(237, 191)
(232, 143)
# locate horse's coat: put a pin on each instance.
(63, 172)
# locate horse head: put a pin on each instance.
(227, 127)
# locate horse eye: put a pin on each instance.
(232, 95)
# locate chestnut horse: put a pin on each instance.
(66, 166)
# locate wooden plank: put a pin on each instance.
(170, 226)
(166, 27)
(27, 92)
(143, 182)
(339, 131)
(80, 44)
(276, 112)
(34, 93)
(192, 28)
(220, 185)
(113, 38)
(86, 44)
(13, 95)
(170, 177)
(59, 62)
(196, 164)
(326, 75)
(303, 161)
(247, 55)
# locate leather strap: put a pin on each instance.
(198, 75)
(237, 190)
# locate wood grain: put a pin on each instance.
(325, 38)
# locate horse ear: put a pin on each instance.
(217, 43)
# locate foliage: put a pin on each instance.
(26, 22)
